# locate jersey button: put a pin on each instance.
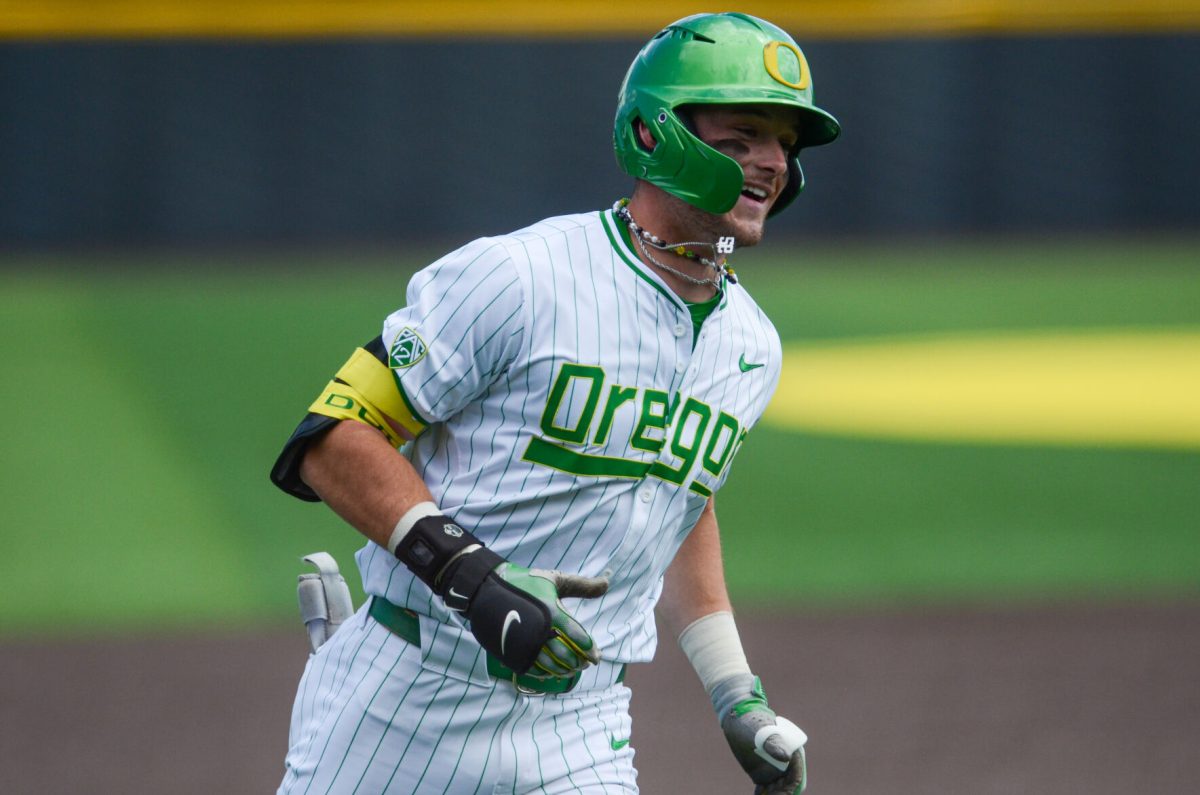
(680, 366)
(645, 494)
(680, 329)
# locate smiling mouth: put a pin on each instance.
(756, 195)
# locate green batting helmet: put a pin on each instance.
(711, 59)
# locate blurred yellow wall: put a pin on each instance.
(816, 18)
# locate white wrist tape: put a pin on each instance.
(410, 518)
(714, 649)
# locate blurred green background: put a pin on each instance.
(151, 397)
(204, 206)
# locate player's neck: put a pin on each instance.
(688, 277)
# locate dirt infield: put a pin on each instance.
(1071, 699)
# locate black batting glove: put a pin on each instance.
(514, 612)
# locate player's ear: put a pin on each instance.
(644, 136)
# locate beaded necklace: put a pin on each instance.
(645, 238)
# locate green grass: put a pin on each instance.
(147, 404)
(862, 521)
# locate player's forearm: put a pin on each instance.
(357, 472)
(696, 607)
(694, 585)
(363, 479)
(697, 611)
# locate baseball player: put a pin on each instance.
(532, 447)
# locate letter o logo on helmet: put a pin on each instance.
(799, 65)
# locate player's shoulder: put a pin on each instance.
(554, 232)
(559, 226)
(523, 255)
(552, 241)
(750, 319)
(741, 303)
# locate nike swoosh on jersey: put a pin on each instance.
(512, 616)
(617, 745)
(748, 366)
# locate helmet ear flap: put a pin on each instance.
(680, 163)
(792, 189)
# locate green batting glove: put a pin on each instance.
(769, 748)
(569, 648)
(516, 614)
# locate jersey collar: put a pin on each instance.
(622, 243)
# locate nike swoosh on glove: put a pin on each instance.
(517, 615)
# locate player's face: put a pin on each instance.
(759, 138)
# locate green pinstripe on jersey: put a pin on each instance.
(346, 748)
(577, 419)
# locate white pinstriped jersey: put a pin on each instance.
(575, 419)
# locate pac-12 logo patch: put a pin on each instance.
(407, 349)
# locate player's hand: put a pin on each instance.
(769, 748)
(516, 614)
(570, 648)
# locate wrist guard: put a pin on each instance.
(508, 621)
(447, 558)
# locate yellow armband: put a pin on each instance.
(364, 390)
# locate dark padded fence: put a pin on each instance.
(184, 143)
